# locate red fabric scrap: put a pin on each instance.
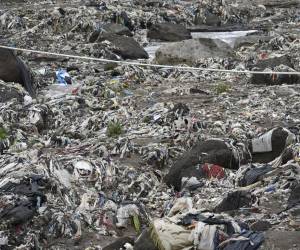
(213, 171)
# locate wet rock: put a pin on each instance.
(168, 32)
(260, 226)
(117, 29)
(270, 145)
(12, 69)
(191, 51)
(234, 201)
(210, 151)
(126, 47)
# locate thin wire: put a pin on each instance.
(182, 68)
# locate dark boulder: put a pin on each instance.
(169, 32)
(210, 151)
(12, 69)
(125, 47)
(273, 79)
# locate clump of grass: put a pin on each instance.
(146, 119)
(114, 129)
(3, 133)
(110, 66)
(222, 88)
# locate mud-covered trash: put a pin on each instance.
(125, 213)
(234, 201)
(271, 144)
(253, 174)
(219, 153)
(249, 240)
(294, 198)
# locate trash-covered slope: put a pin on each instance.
(114, 156)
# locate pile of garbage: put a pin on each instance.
(105, 155)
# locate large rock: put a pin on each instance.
(125, 47)
(210, 151)
(169, 32)
(12, 69)
(193, 50)
(273, 64)
(117, 29)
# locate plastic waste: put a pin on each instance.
(63, 77)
